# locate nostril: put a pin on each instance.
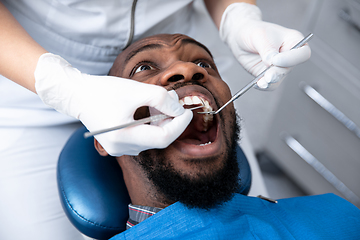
(176, 78)
(198, 76)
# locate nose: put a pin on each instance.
(183, 71)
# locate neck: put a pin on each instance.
(141, 191)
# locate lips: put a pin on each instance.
(201, 138)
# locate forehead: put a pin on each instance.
(162, 40)
(155, 42)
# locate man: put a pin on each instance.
(195, 178)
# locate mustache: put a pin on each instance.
(183, 84)
(190, 83)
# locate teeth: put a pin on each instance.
(208, 118)
(194, 100)
(204, 144)
(190, 100)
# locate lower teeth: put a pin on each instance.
(204, 144)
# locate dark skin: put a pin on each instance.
(180, 63)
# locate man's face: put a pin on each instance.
(204, 154)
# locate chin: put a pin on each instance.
(203, 181)
(195, 173)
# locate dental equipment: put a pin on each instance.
(154, 118)
(255, 80)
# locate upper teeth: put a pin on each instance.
(195, 100)
(191, 100)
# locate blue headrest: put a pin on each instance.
(92, 190)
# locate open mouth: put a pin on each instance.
(194, 101)
(203, 129)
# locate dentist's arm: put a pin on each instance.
(97, 101)
(19, 53)
(257, 44)
(216, 8)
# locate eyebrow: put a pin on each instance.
(189, 40)
(156, 45)
(143, 48)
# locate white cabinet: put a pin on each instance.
(315, 133)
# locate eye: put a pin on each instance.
(204, 64)
(143, 67)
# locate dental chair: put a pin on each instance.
(92, 190)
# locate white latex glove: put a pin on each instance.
(257, 44)
(102, 101)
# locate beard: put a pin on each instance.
(204, 190)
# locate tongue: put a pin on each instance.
(192, 136)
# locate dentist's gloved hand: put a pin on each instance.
(102, 101)
(257, 44)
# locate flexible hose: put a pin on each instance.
(132, 24)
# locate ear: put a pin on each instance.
(100, 148)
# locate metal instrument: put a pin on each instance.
(255, 80)
(160, 117)
(154, 118)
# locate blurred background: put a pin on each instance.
(306, 133)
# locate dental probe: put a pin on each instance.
(253, 82)
(154, 118)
